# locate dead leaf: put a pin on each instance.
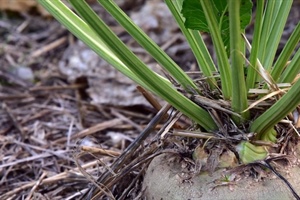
(22, 6)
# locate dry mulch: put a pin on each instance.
(56, 139)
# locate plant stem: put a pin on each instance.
(140, 69)
(147, 43)
(82, 31)
(252, 69)
(196, 43)
(292, 69)
(284, 56)
(286, 104)
(223, 64)
(279, 21)
(239, 92)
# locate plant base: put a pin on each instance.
(163, 181)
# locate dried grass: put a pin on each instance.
(54, 143)
(51, 136)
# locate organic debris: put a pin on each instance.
(66, 115)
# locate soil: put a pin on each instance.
(66, 114)
(168, 179)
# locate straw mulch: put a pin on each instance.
(57, 137)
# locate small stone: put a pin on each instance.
(25, 73)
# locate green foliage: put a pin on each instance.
(286, 104)
(196, 20)
(196, 43)
(225, 21)
(239, 93)
(284, 56)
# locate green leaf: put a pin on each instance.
(292, 69)
(286, 104)
(278, 21)
(144, 40)
(239, 93)
(195, 17)
(284, 56)
(222, 55)
(133, 67)
(140, 69)
(196, 43)
(82, 31)
(252, 70)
